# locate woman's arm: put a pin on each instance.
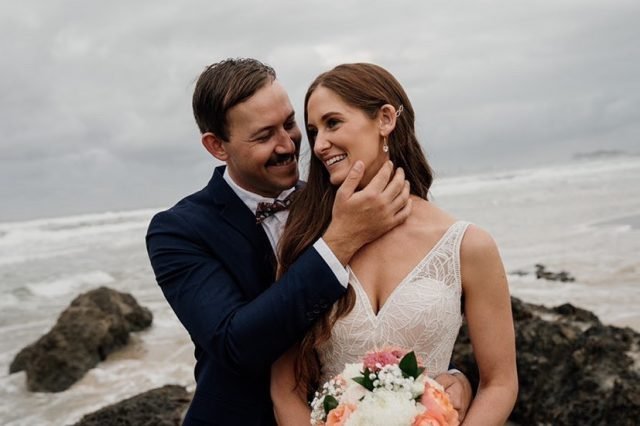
(488, 311)
(289, 403)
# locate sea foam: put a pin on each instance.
(70, 284)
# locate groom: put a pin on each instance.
(213, 252)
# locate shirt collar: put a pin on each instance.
(251, 199)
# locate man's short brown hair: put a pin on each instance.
(223, 85)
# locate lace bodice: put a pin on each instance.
(423, 313)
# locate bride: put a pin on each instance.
(410, 287)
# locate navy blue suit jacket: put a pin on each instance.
(216, 269)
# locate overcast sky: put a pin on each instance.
(95, 97)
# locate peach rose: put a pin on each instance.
(439, 406)
(427, 419)
(339, 415)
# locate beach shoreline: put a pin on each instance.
(546, 215)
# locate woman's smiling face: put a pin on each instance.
(342, 134)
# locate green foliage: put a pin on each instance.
(329, 403)
(365, 380)
(409, 365)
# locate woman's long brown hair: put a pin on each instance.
(367, 87)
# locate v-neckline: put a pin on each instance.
(370, 310)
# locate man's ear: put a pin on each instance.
(387, 119)
(215, 146)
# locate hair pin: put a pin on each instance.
(399, 111)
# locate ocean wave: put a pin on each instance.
(23, 241)
(8, 300)
(69, 284)
(587, 170)
(623, 223)
(66, 225)
(29, 255)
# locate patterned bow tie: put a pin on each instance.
(265, 210)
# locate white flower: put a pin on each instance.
(353, 393)
(352, 370)
(385, 408)
(433, 383)
(417, 388)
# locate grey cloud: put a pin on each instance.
(95, 110)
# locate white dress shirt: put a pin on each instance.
(274, 226)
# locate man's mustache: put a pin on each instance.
(281, 158)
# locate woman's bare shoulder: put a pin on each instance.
(480, 260)
(429, 216)
(477, 241)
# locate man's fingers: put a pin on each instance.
(401, 200)
(404, 213)
(395, 186)
(381, 179)
(352, 181)
(401, 215)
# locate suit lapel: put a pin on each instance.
(233, 210)
(237, 215)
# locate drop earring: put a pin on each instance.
(385, 146)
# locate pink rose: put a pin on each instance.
(439, 406)
(339, 415)
(374, 361)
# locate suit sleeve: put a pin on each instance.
(245, 335)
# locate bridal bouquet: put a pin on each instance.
(388, 388)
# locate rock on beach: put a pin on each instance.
(94, 325)
(163, 406)
(572, 369)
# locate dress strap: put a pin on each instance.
(459, 228)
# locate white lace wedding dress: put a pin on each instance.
(423, 313)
